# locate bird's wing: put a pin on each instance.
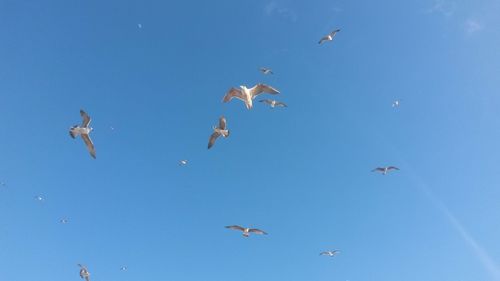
(257, 231)
(90, 145)
(212, 139)
(324, 253)
(392, 168)
(378, 169)
(86, 118)
(235, 227)
(222, 122)
(262, 88)
(87, 278)
(267, 101)
(323, 39)
(233, 93)
(281, 104)
(71, 133)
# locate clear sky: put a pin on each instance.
(156, 72)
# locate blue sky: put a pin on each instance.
(300, 173)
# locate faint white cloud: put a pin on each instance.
(472, 26)
(274, 8)
(478, 250)
(443, 7)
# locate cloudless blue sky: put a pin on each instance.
(300, 173)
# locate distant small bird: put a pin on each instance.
(246, 231)
(218, 131)
(183, 162)
(274, 103)
(329, 37)
(266, 70)
(63, 221)
(385, 170)
(39, 198)
(395, 103)
(247, 95)
(330, 253)
(84, 131)
(123, 268)
(84, 273)
(139, 25)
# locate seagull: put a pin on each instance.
(274, 103)
(247, 95)
(246, 231)
(84, 273)
(395, 103)
(330, 253)
(183, 162)
(39, 198)
(123, 268)
(218, 131)
(63, 221)
(84, 131)
(329, 37)
(385, 170)
(266, 70)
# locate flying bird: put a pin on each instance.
(385, 170)
(123, 268)
(183, 162)
(63, 221)
(266, 70)
(84, 131)
(246, 231)
(84, 273)
(218, 131)
(274, 103)
(247, 95)
(329, 253)
(395, 103)
(39, 198)
(329, 37)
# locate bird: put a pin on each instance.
(39, 198)
(123, 268)
(246, 231)
(266, 70)
(329, 37)
(247, 95)
(385, 170)
(84, 131)
(329, 253)
(183, 162)
(395, 103)
(274, 103)
(139, 25)
(218, 131)
(63, 220)
(84, 273)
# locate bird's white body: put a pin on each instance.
(248, 96)
(77, 130)
(224, 133)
